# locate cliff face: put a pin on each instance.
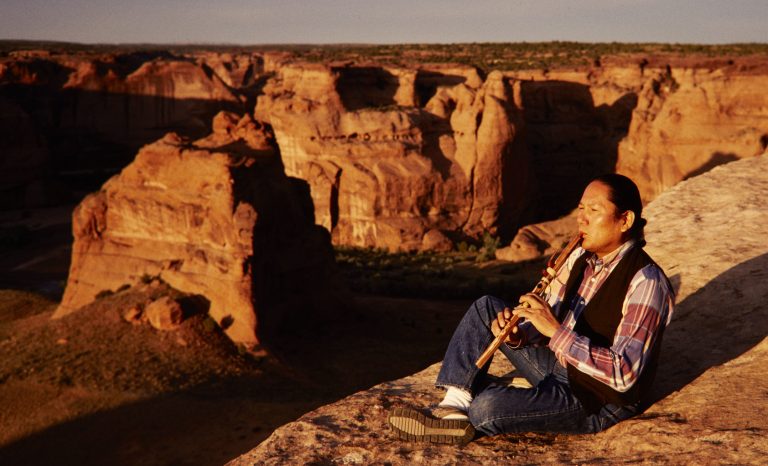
(216, 218)
(708, 234)
(690, 120)
(661, 123)
(94, 112)
(391, 154)
(397, 157)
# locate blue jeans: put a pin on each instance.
(549, 406)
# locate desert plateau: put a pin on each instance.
(247, 255)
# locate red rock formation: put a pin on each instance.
(382, 170)
(216, 218)
(95, 111)
(391, 153)
(689, 120)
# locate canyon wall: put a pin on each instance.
(392, 154)
(400, 157)
(665, 122)
(216, 218)
(690, 120)
(86, 115)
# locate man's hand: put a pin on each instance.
(502, 318)
(539, 314)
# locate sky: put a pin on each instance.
(384, 21)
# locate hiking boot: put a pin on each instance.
(414, 426)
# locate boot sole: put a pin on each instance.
(414, 426)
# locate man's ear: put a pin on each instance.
(628, 220)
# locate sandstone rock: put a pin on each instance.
(164, 314)
(541, 239)
(133, 315)
(690, 120)
(238, 71)
(657, 124)
(99, 109)
(435, 240)
(708, 233)
(215, 218)
(390, 154)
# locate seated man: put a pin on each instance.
(589, 349)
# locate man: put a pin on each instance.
(589, 349)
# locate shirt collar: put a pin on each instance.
(611, 258)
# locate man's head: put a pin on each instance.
(610, 213)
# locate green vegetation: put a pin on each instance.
(465, 274)
(486, 56)
(514, 56)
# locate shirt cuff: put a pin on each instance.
(561, 342)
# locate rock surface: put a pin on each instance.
(708, 234)
(658, 123)
(164, 313)
(92, 112)
(392, 153)
(689, 120)
(540, 239)
(216, 218)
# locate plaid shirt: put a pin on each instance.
(647, 307)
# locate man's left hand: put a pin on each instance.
(539, 314)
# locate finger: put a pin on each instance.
(532, 300)
(507, 313)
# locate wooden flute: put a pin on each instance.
(554, 265)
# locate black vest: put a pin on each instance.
(599, 321)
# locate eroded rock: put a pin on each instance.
(688, 121)
(540, 239)
(92, 112)
(216, 218)
(164, 313)
(390, 154)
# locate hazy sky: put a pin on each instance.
(384, 21)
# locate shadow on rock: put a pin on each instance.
(207, 425)
(714, 325)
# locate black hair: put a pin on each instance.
(625, 196)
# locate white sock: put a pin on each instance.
(456, 398)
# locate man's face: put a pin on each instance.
(599, 225)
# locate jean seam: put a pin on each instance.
(446, 385)
(534, 366)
